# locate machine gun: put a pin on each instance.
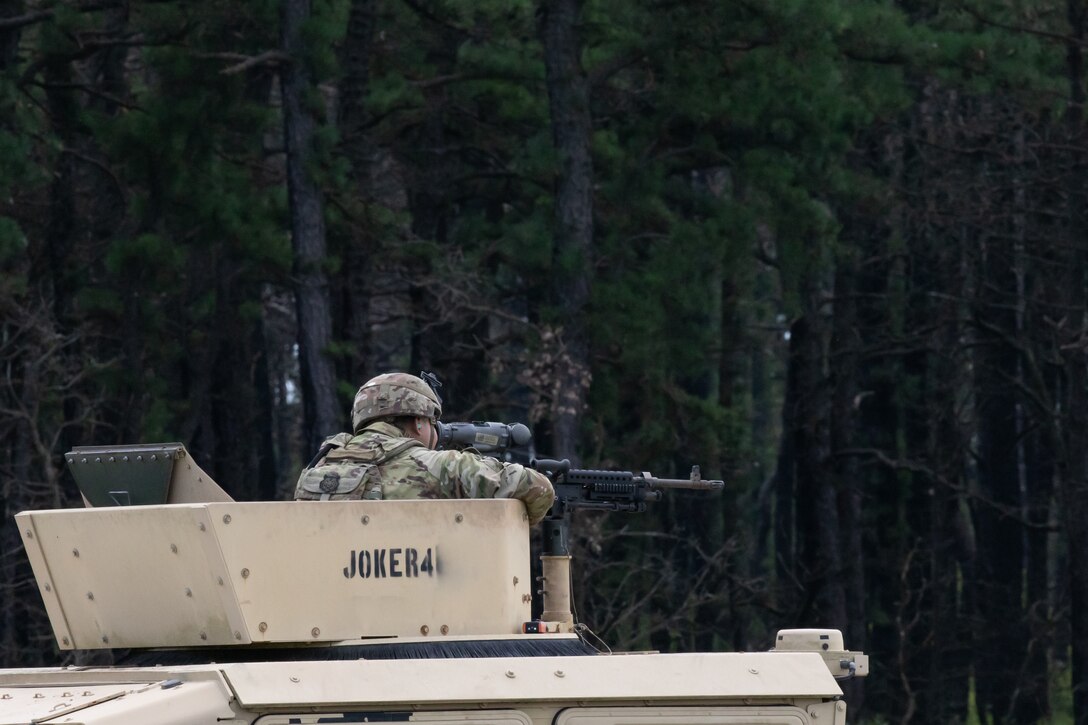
(612, 490)
(589, 489)
(574, 489)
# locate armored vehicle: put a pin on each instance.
(277, 613)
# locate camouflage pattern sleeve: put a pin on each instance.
(468, 475)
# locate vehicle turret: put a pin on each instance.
(291, 612)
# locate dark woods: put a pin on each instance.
(832, 251)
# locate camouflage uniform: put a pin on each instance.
(379, 462)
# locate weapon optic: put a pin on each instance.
(504, 441)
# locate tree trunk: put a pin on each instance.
(818, 516)
(1074, 476)
(999, 577)
(322, 415)
(9, 38)
(845, 365)
(568, 98)
(1032, 701)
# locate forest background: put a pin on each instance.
(832, 250)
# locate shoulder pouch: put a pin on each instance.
(341, 474)
(334, 478)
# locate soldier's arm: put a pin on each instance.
(472, 476)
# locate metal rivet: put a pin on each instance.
(245, 573)
(48, 588)
(174, 548)
(226, 518)
(75, 553)
(152, 456)
(444, 629)
(220, 579)
(238, 636)
(112, 459)
(124, 459)
(753, 670)
(424, 629)
(105, 639)
(83, 460)
(560, 673)
(294, 679)
(38, 695)
(315, 632)
(188, 592)
(515, 581)
(90, 595)
(203, 635)
(510, 674)
(262, 627)
(5, 697)
(202, 526)
(365, 520)
(87, 693)
(139, 459)
(29, 534)
(98, 460)
(459, 518)
(65, 640)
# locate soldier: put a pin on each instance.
(392, 456)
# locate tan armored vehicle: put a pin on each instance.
(356, 611)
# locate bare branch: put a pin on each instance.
(273, 58)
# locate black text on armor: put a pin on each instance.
(390, 563)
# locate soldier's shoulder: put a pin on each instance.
(338, 441)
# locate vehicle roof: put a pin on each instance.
(392, 683)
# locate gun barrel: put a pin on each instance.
(699, 485)
(695, 482)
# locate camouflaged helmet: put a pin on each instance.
(394, 394)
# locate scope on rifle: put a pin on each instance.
(504, 441)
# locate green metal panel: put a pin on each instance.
(130, 475)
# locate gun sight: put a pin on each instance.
(500, 440)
